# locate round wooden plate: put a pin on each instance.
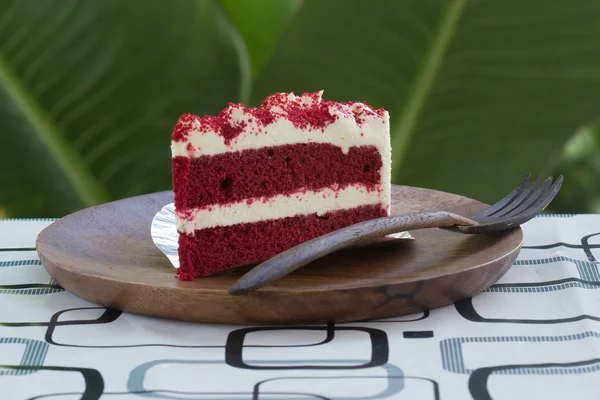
(105, 254)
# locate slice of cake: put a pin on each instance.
(253, 182)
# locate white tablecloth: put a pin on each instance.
(533, 335)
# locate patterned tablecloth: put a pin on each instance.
(533, 335)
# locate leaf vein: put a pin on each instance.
(82, 180)
(424, 81)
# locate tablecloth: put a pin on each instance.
(532, 335)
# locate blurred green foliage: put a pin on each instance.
(479, 92)
(580, 164)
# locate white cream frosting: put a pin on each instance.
(280, 206)
(344, 132)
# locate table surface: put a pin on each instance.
(532, 335)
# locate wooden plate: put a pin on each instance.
(105, 254)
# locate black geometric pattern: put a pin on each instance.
(479, 379)
(378, 344)
(94, 384)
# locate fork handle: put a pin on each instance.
(298, 256)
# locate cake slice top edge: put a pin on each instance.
(282, 118)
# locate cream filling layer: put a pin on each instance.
(279, 206)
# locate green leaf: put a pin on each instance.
(261, 23)
(90, 92)
(479, 92)
(580, 166)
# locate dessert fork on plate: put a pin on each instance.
(519, 206)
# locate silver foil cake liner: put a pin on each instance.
(166, 238)
(164, 233)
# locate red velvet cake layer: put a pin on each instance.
(231, 177)
(215, 249)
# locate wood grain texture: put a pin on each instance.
(105, 254)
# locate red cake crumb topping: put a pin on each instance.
(360, 114)
(314, 115)
(229, 131)
(303, 116)
(209, 123)
(183, 127)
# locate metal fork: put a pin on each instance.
(519, 206)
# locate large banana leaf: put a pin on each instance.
(479, 91)
(90, 91)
